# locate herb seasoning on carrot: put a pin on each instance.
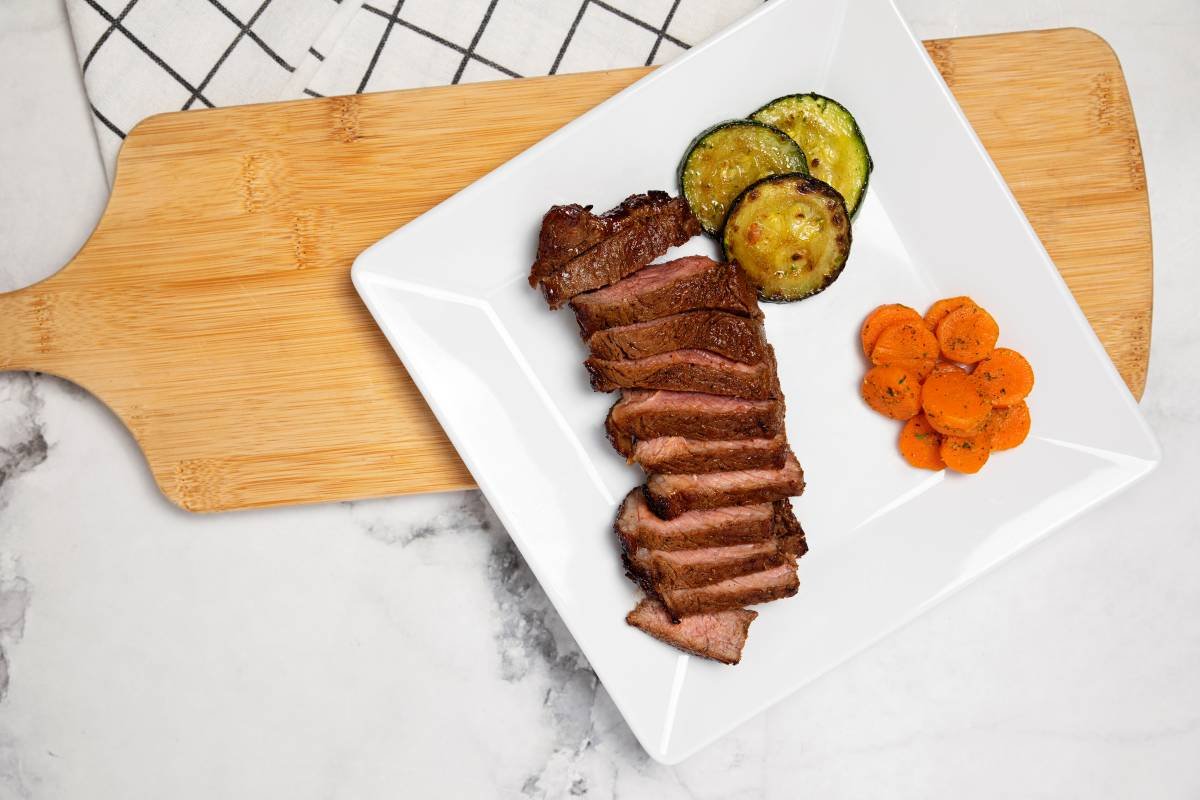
(965, 454)
(880, 320)
(938, 311)
(954, 405)
(909, 345)
(892, 391)
(961, 397)
(1005, 377)
(921, 445)
(968, 334)
(1010, 427)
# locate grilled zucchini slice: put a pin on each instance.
(728, 157)
(830, 137)
(790, 234)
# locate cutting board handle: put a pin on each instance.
(22, 330)
(53, 326)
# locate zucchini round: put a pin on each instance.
(830, 137)
(728, 157)
(790, 234)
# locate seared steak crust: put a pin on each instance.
(788, 530)
(579, 251)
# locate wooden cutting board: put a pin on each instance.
(212, 308)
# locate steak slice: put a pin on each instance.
(744, 590)
(685, 284)
(645, 414)
(659, 570)
(638, 526)
(788, 531)
(579, 251)
(687, 371)
(672, 495)
(718, 636)
(675, 454)
(739, 338)
(570, 230)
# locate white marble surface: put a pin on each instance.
(400, 648)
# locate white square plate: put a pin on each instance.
(503, 374)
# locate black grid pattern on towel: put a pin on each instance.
(245, 36)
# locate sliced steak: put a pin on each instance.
(685, 284)
(659, 570)
(638, 526)
(646, 414)
(745, 590)
(739, 338)
(788, 531)
(687, 371)
(672, 495)
(675, 454)
(571, 230)
(579, 251)
(718, 636)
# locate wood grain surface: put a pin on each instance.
(212, 308)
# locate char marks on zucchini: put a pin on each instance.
(790, 235)
(830, 137)
(728, 157)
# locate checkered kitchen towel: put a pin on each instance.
(141, 57)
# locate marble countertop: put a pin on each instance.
(400, 647)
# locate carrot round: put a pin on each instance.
(1009, 426)
(954, 405)
(938, 311)
(892, 391)
(1005, 377)
(968, 334)
(942, 367)
(880, 320)
(965, 454)
(909, 345)
(921, 445)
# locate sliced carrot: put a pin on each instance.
(892, 391)
(1009, 426)
(942, 367)
(938, 311)
(954, 405)
(909, 345)
(1005, 377)
(967, 334)
(965, 454)
(921, 445)
(880, 320)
